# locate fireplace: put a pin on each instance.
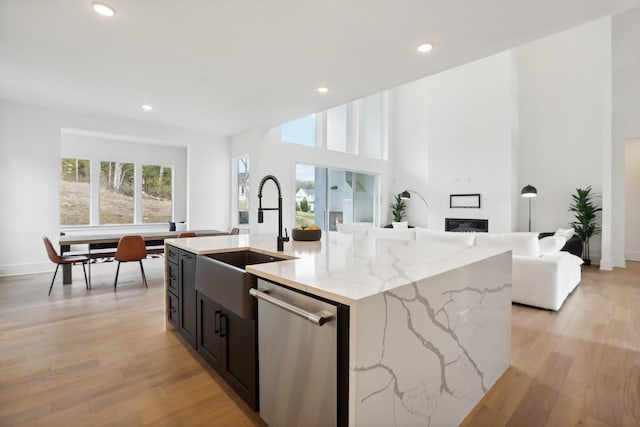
(466, 225)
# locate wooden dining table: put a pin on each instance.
(101, 243)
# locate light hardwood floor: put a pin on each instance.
(99, 358)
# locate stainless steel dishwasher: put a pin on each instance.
(298, 355)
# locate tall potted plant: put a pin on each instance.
(585, 212)
(397, 208)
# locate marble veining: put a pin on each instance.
(446, 337)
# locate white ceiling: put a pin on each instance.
(227, 66)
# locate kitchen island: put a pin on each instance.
(429, 324)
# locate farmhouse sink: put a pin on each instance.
(222, 278)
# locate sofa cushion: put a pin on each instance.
(448, 237)
(393, 233)
(551, 245)
(525, 244)
(353, 229)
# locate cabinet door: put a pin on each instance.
(240, 369)
(209, 344)
(172, 283)
(174, 309)
(187, 284)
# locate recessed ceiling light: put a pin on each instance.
(323, 90)
(103, 9)
(425, 47)
(147, 107)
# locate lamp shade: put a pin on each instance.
(529, 191)
(405, 195)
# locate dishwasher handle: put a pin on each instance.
(315, 318)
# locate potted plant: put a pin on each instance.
(585, 211)
(397, 208)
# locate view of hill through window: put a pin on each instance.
(116, 193)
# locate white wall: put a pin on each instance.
(625, 125)
(564, 120)
(29, 172)
(270, 156)
(632, 196)
(453, 134)
(82, 145)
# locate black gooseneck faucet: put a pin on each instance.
(281, 239)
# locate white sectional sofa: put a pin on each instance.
(542, 275)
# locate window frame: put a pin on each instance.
(354, 128)
(325, 220)
(76, 158)
(235, 196)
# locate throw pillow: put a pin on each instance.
(525, 244)
(389, 233)
(448, 237)
(551, 245)
(564, 232)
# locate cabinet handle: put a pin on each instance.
(223, 329)
(216, 321)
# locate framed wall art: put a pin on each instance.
(471, 201)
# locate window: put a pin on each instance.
(309, 180)
(337, 132)
(328, 196)
(243, 190)
(301, 131)
(371, 127)
(156, 193)
(75, 192)
(354, 128)
(116, 193)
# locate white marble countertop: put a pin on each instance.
(342, 267)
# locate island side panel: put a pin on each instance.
(166, 325)
(426, 353)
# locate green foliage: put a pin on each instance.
(74, 170)
(305, 219)
(117, 176)
(306, 185)
(585, 212)
(304, 205)
(156, 181)
(397, 208)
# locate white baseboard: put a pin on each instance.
(30, 268)
(606, 264)
(620, 262)
(632, 255)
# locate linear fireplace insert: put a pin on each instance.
(466, 225)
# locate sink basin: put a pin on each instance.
(222, 278)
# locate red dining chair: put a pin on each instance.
(130, 248)
(187, 234)
(64, 259)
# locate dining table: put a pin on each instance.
(106, 243)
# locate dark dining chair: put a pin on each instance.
(130, 248)
(187, 234)
(64, 259)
